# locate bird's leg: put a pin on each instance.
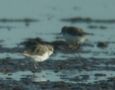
(79, 55)
(34, 69)
(35, 66)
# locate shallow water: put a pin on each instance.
(49, 13)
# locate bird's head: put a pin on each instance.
(64, 29)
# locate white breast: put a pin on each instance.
(42, 58)
(71, 39)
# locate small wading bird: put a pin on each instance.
(39, 53)
(74, 35)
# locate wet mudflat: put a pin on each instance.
(91, 67)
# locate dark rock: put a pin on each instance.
(102, 44)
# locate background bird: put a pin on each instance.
(74, 35)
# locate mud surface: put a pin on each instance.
(90, 66)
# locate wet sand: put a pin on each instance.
(88, 67)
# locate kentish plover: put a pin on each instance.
(39, 53)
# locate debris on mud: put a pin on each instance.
(102, 44)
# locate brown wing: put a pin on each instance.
(73, 31)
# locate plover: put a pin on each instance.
(74, 35)
(39, 53)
